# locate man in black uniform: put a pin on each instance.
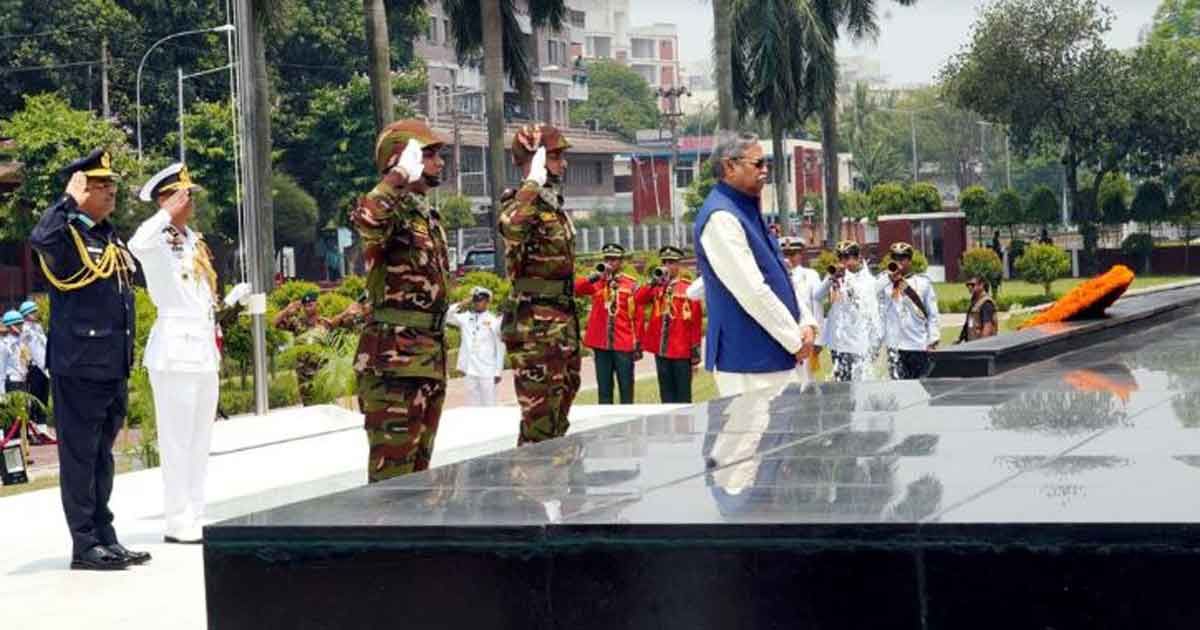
(89, 352)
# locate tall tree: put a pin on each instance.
(375, 16)
(1149, 205)
(723, 62)
(1043, 69)
(781, 43)
(976, 203)
(491, 27)
(1042, 208)
(619, 98)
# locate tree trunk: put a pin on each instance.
(493, 67)
(833, 212)
(1087, 224)
(723, 43)
(261, 84)
(379, 64)
(779, 175)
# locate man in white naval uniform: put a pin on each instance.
(805, 280)
(181, 353)
(38, 380)
(481, 353)
(911, 329)
(852, 329)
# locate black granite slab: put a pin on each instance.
(1056, 495)
(993, 355)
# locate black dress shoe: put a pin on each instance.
(133, 557)
(99, 558)
(182, 541)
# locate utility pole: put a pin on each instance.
(457, 132)
(493, 62)
(179, 96)
(247, 100)
(1008, 159)
(105, 110)
(913, 119)
(673, 114)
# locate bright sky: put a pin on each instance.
(914, 43)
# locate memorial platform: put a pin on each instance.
(1055, 495)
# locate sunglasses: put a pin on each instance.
(847, 256)
(759, 163)
(970, 285)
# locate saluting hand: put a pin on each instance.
(412, 163)
(177, 204)
(537, 167)
(77, 188)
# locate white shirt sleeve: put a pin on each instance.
(930, 297)
(452, 316)
(500, 349)
(148, 242)
(732, 261)
(803, 298)
(695, 290)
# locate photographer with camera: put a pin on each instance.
(852, 328)
(910, 315)
(613, 324)
(675, 328)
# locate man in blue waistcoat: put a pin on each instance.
(757, 330)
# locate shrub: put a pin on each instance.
(919, 262)
(352, 287)
(1139, 247)
(500, 287)
(1043, 264)
(984, 263)
(824, 259)
(289, 292)
(890, 198)
(924, 197)
(330, 304)
(976, 204)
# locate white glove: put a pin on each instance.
(239, 294)
(537, 168)
(411, 163)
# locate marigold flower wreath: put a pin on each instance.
(1087, 300)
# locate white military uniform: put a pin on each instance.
(182, 358)
(853, 325)
(806, 282)
(481, 354)
(905, 327)
(17, 365)
(34, 338)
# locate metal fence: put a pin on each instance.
(633, 238)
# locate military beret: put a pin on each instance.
(846, 248)
(395, 137)
(97, 164)
(901, 249)
(612, 249)
(791, 244)
(670, 253)
(309, 298)
(523, 145)
(174, 177)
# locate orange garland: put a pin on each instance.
(1087, 299)
(1093, 381)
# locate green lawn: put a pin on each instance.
(958, 291)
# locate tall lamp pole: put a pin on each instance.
(224, 28)
(912, 115)
(673, 114)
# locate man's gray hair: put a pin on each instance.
(730, 145)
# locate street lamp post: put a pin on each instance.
(224, 28)
(912, 114)
(180, 77)
(673, 115)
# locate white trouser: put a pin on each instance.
(733, 383)
(481, 391)
(185, 406)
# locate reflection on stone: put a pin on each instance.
(1066, 413)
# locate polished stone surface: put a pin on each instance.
(945, 499)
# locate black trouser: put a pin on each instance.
(674, 379)
(847, 367)
(14, 386)
(39, 388)
(609, 362)
(906, 365)
(88, 415)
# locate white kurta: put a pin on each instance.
(481, 353)
(905, 327)
(732, 261)
(183, 361)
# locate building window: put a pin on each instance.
(432, 33)
(649, 73)
(590, 173)
(600, 47)
(552, 52)
(643, 48)
(576, 18)
(666, 50)
(446, 31)
(683, 176)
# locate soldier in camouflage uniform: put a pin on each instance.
(310, 330)
(541, 326)
(401, 357)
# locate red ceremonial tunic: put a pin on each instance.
(675, 325)
(615, 319)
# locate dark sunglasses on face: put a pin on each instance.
(846, 256)
(759, 163)
(970, 285)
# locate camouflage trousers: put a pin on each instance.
(402, 416)
(546, 379)
(307, 367)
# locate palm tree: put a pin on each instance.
(861, 21)
(379, 62)
(723, 55)
(491, 26)
(780, 43)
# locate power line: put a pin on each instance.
(43, 33)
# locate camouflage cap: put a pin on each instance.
(394, 137)
(846, 248)
(527, 140)
(901, 249)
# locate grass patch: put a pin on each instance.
(953, 297)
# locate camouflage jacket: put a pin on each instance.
(404, 248)
(305, 329)
(539, 237)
